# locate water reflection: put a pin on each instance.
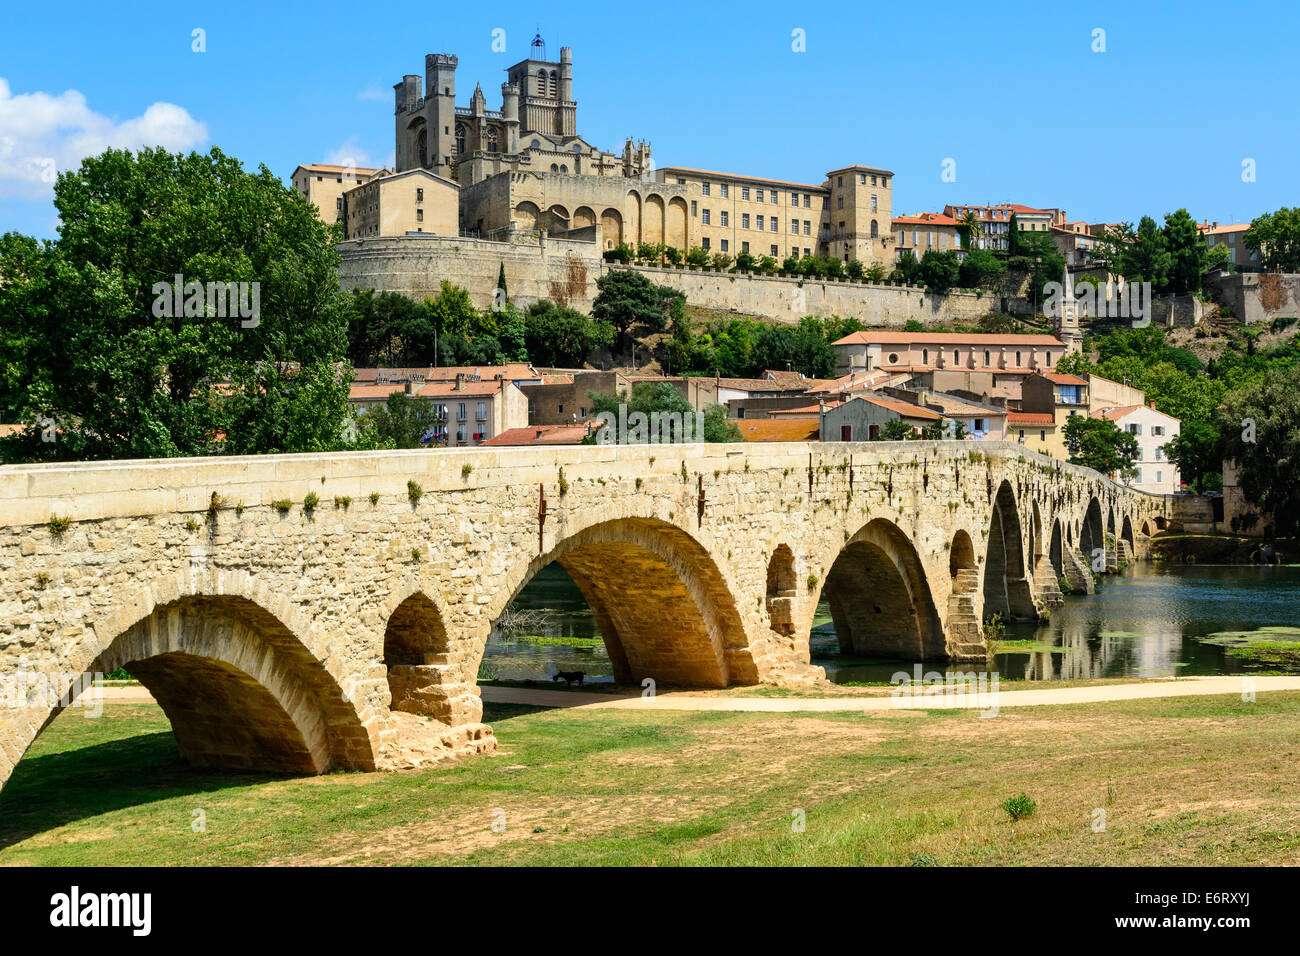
(1146, 622)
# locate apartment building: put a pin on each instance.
(924, 232)
(324, 184)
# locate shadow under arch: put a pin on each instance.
(1091, 534)
(961, 553)
(1006, 584)
(1056, 550)
(239, 687)
(879, 598)
(1126, 534)
(660, 602)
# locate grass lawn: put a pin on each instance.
(1207, 780)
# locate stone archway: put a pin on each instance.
(677, 229)
(632, 218)
(782, 591)
(661, 604)
(1092, 538)
(652, 228)
(526, 216)
(240, 689)
(611, 228)
(583, 217)
(880, 600)
(1126, 544)
(1006, 584)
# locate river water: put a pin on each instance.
(1150, 621)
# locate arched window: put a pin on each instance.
(563, 168)
(925, 356)
(424, 148)
(554, 168)
(555, 85)
(536, 144)
(460, 139)
(875, 229)
(492, 141)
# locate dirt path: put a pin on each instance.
(941, 698)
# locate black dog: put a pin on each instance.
(569, 677)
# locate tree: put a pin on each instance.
(626, 298)
(556, 335)
(939, 270)
(908, 269)
(124, 366)
(1147, 258)
(1260, 430)
(1274, 238)
(1099, 444)
(894, 430)
(1195, 451)
(971, 230)
(1187, 253)
(1013, 236)
(502, 295)
(404, 421)
(980, 269)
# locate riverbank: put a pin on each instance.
(1177, 782)
(1181, 548)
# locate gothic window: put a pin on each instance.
(875, 229)
(536, 144)
(555, 86)
(460, 139)
(564, 169)
(492, 140)
(423, 143)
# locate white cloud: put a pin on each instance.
(374, 92)
(42, 134)
(349, 154)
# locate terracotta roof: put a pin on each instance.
(1016, 207)
(430, 373)
(950, 405)
(925, 219)
(543, 435)
(785, 428)
(959, 339)
(1219, 230)
(751, 179)
(1115, 413)
(803, 410)
(1063, 379)
(1030, 418)
(467, 389)
(854, 380)
(331, 168)
(906, 409)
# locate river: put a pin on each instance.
(1154, 620)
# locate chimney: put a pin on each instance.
(406, 386)
(460, 381)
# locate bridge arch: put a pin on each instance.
(242, 687)
(879, 598)
(1056, 551)
(660, 602)
(961, 553)
(1126, 535)
(1091, 534)
(1006, 585)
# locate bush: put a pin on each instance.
(1019, 807)
(618, 254)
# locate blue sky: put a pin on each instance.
(1013, 92)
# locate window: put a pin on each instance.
(419, 215)
(1160, 452)
(839, 180)
(773, 195)
(794, 199)
(760, 224)
(481, 411)
(794, 225)
(873, 180)
(873, 202)
(723, 189)
(724, 217)
(925, 356)
(704, 242)
(744, 220)
(774, 252)
(807, 201)
(744, 192)
(706, 217)
(460, 410)
(758, 195)
(704, 187)
(893, 358)
(419, 194)
(839, 202)
(978, 425)
(744, 247)
(863, 180)
(1137, 474)
(559, 409)
(460, 432)
(1160, 476)
(1157, 429)
(807, 227)
(680, 181)
(693, 209)
(582, 411)
(1042, 434)
(1022, 434)
(986, 356)
(724, 245)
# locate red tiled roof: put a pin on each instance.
(748, 179)
(925, 219)
(1063, 379)
(1030, 418)
(802, 411)
(543, 435)
(785, 428)
(906, 409)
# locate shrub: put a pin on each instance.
(59, 524)
(466, 469)
(374, 497)
(564, 484)
(414, 491)
(1019, 807)
(310, 502)
(282, 505)
(342, 501)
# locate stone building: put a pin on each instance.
(324, 184)
(415, 201)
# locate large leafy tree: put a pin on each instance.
(556, 335)
(1260, 428)
(626, 298)
(981, 269)
(939, 270)
(1274, 237)
(124, 373)
(1195, 451)
(403, 421)
(1187, 252)
(1097, 443)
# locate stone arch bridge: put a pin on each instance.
(304, 612)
